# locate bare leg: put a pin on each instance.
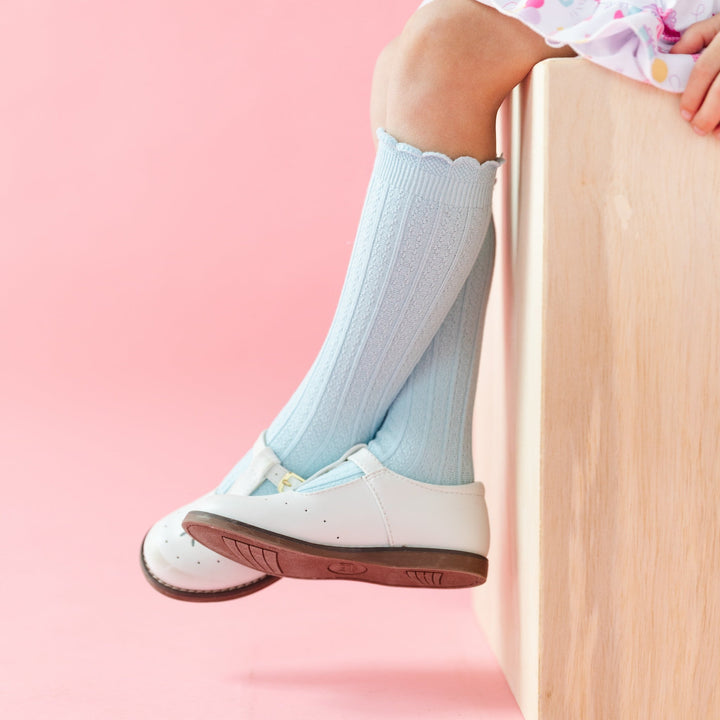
(380, 82)
(439, 85)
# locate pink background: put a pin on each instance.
(179, 186)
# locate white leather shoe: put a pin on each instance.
(382, 528)
(178, 566)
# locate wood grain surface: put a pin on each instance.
(621, 203)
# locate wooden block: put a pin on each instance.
(604, 339)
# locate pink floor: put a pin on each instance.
(85, 637)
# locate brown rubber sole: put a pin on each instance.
(276, 554)
(204, 595)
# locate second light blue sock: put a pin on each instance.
(427, 432)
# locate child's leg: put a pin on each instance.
(426, 434)
(446, 77)
(422, 227)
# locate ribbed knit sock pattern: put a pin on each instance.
(420, 232)
(427, 432)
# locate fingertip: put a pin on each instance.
(685, 48)
(690, 42)
(686, 114)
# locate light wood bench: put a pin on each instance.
(598, 413)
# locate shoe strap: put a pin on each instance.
(346, 456)
(366, 461)
(265, 465)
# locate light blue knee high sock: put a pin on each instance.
(427, 432)
(420, 232)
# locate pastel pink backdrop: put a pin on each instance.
(179, 186)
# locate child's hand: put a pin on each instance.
(700, 103)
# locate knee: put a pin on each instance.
(445, 27)
(386, 59)
(464, 47)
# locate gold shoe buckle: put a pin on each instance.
(287, 481)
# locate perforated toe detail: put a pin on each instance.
(177, 561)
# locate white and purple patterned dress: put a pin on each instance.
(631, 37)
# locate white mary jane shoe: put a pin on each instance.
(178, 566)
(381, 528)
